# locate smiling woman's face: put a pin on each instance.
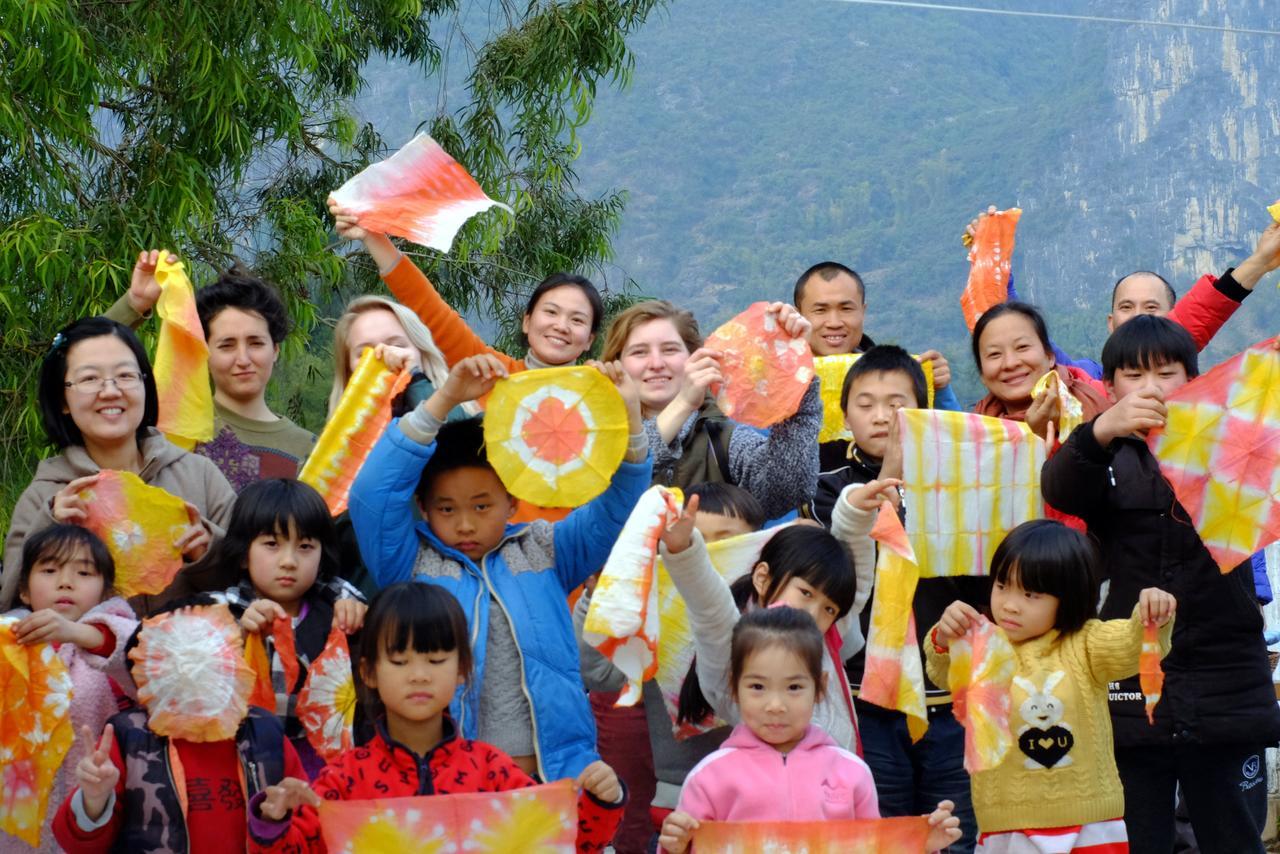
(113, 414)
(1013, 357)
(654, 357)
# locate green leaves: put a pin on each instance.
(216, 128)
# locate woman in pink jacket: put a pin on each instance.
(778, 766)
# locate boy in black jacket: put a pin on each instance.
(910, 778)
(1218, 712)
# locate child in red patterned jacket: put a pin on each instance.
(412, 657)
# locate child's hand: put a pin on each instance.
(944, 828)
(472, 378)
(345, 222)
(891, 465)
(679, 534)
(1136, 412)
(396, 358)
(68, 506)
(701, 372)
(144, 290)
(96, 774)
(1045, 409)
(195, 541)
(260, 616)
(48, 626)
(677, 832)
(1156, 606)
(941, 368)
(955, 622)
(627, 387)
(601, 781)
(792, 321)
(283, 799)
(348, 615)
(868, 497)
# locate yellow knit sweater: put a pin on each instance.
(1061, 770)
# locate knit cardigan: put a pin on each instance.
(1061, 770)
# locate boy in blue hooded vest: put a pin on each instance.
(527, 697)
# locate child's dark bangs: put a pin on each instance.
(62, 548)
(425, 632)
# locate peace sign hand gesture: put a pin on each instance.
(96, 774)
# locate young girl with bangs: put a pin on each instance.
(65, 587)
(279, 561)
(411, 659)
(800, 566)
(1058, 788)
(777, 766)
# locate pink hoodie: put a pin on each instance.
(749, 780)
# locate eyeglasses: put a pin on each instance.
(124, 381)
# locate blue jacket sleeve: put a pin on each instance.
(381, 505)
(1061, 356)
(1089, 366)
(1261, 584)
(945, 398)
(582, 540)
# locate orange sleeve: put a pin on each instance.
(453, 336)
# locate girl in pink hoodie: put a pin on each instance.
(776, 765)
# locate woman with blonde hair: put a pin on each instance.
(371, 320)
(691, 440)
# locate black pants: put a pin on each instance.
(1225, 786)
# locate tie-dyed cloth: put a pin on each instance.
(354, 428)
(181, 365)
(1220, 451)
(35, 731)
(556, 436)
(140, 525)
(420, 192)
(541, 819)
(968, 480)
(981, 678)
(766, 371)
(853, 836)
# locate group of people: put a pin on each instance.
(456, 598)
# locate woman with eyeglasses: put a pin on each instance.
(98, 403)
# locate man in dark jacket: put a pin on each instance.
(1218, 711)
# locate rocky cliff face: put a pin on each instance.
(759, 137)
(1185, 155)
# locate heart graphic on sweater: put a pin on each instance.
(1046, 746)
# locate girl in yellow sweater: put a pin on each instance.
(1057, 789)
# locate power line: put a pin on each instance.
(1062, 16)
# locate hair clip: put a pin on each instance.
(58, 341)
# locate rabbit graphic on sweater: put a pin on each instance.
(1045, 737)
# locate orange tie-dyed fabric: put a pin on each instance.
(191, 674)
(766, 371)
(536, 820)
(1220, 451)
(1150, 671)
(35, 731)
(556, 436)
(362, 415)
(182, 361)
(140, 525)
(989, 256)
(327, 703)
(420, 192)
(854, 836)
(981, 678)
